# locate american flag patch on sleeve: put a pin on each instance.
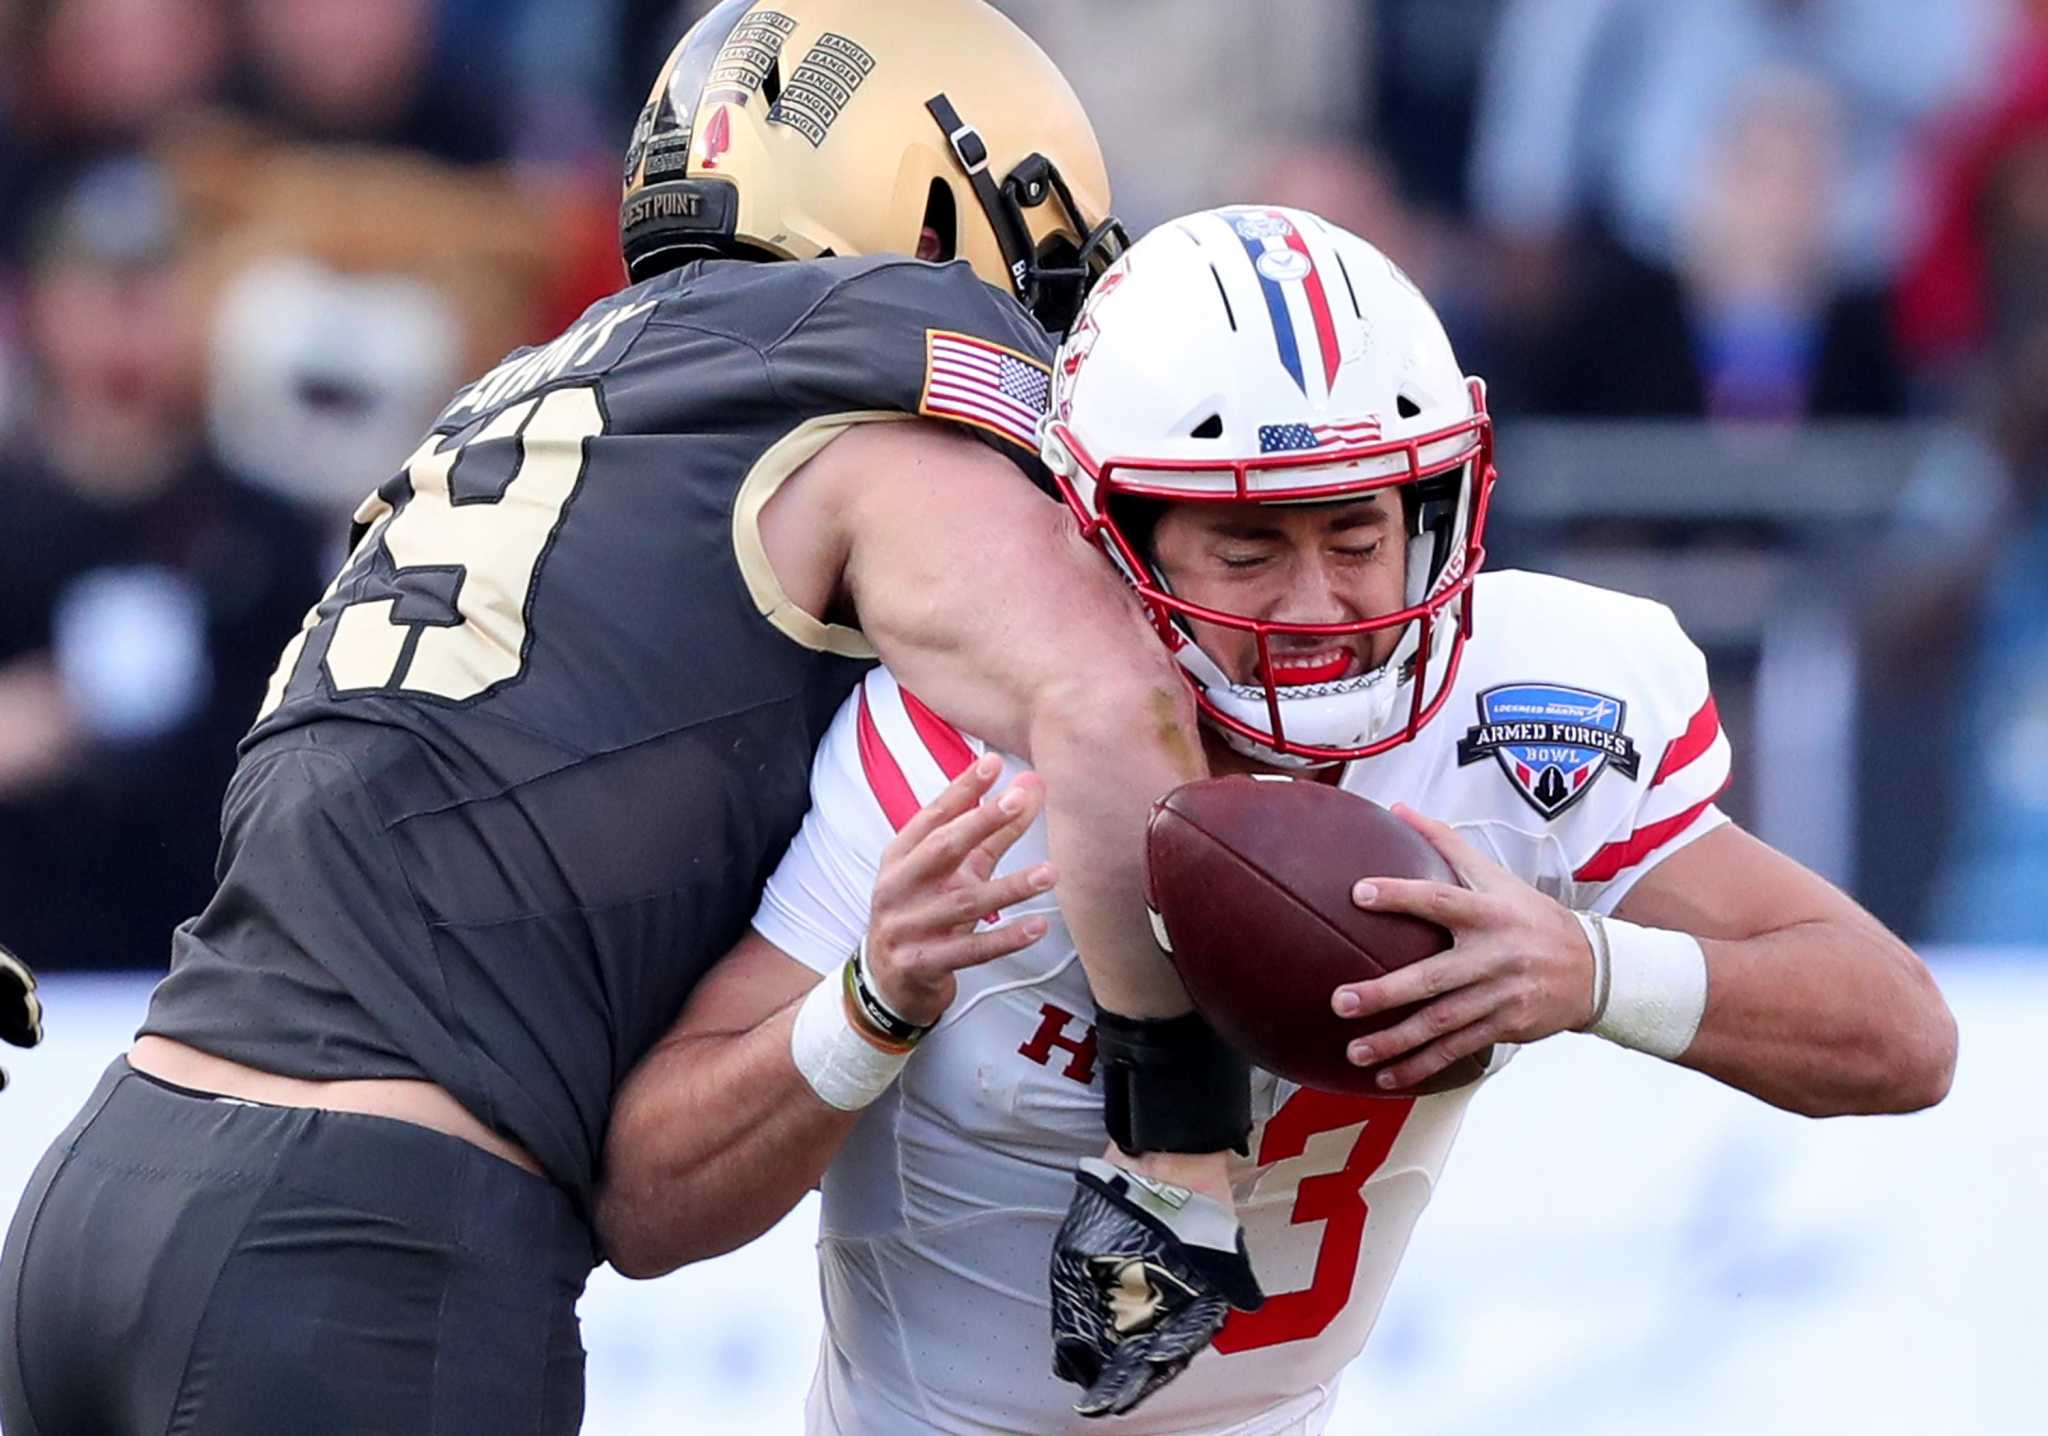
(972, 381)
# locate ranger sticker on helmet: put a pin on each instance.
(822, 86)
(749, 54)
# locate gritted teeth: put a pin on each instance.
(1324, 665)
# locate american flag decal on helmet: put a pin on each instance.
(972, 381)
(1297, 438)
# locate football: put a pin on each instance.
(1249, 881)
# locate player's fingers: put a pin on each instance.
(987, 944)
(1444, 904)
(943, 850)
(1474, 868)
(989, 851)
(967, 904)
(1418, 1068)
(1422, 981)
(1431, 1023)
(958, 796)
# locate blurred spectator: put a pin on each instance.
(1750, 320)
(1608, 108)
(96, 77)
(1943, 317)
(1600, 121)
(1187, 97)
(145, 595)
(13, 148)
(343, 306)
(1427, 57)
(1991, 881)
(372, 72)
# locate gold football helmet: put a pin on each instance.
(791, 129)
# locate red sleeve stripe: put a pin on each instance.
(1639, 844)
(1698, 736)
(948, 749)
(884, 776)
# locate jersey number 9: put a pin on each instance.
(450, 618)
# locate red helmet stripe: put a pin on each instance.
(1318, 304)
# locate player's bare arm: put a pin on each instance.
(1811, 1004)
(982, 597)
(717, 1133)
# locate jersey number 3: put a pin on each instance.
(449, 618)
(1336, 1199)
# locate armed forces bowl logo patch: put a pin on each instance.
(1551, 741)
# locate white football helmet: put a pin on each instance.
(1262, 355)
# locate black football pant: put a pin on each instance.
(184, 1264)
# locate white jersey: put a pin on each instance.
(1579, 747)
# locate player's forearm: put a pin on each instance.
(1825, 1018)
(1096, 815)
(713, 1140)
(1096, 837)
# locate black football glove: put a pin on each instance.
(21, 1012)
(1143, 1274)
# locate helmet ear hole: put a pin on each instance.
(942, 218)
(1209, 428)
(1406, 407)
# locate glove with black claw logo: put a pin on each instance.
(21, 1012)
(1143, 1274)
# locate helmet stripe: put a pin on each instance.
(1276, 305)
(1318, 304)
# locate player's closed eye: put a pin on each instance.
(1241, 561)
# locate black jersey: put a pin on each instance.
(518, 782)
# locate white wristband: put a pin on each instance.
(844, 1068)
(1649, 985)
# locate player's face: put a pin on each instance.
(1322, 563)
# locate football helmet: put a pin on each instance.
(1261, 355)
(790, 129)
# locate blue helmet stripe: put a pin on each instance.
(1276, 305)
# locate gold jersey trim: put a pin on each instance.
(773, 469)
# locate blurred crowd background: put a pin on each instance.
(1760, 288)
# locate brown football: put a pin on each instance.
(1249, 880)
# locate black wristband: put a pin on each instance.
(1171, 1085)
(867, 1005)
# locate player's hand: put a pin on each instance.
(21, 1011)
(934, 887)
(1518, 968)
(1143, 1274)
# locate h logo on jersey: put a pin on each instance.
(1551, 741)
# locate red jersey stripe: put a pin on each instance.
(948, 749)
(1698, 736)
(1639, 844)
(890, 787)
